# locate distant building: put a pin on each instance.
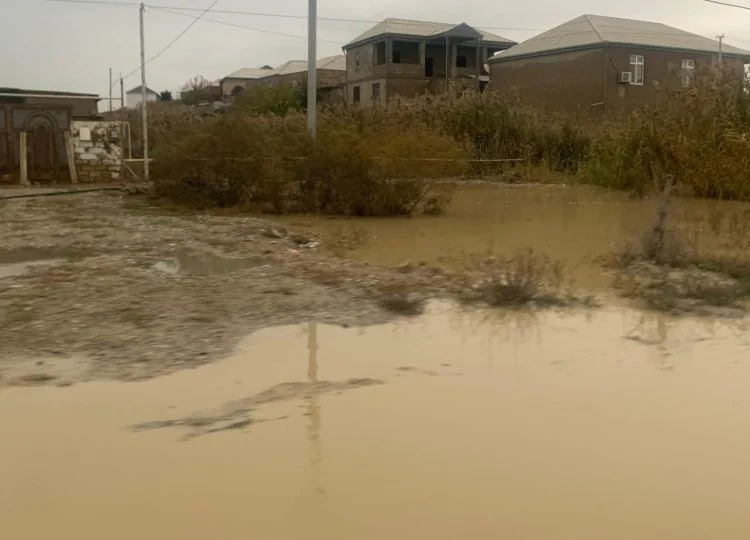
(331, 77)
(134, 96)
(235, 83)
(595, 63)
(406, 58)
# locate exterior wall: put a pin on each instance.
(136, 98)
(663, 70)
(408, 78)
(588, 80)
(98, 156)
(563, 81)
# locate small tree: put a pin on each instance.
(193, 90)
(166, 95)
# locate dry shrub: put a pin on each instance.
(362, 163)
(698, 136)
(525, 278)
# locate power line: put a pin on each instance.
(234, 25)
(166, 48)
(727, 4)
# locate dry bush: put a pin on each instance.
(361, 163)
(526, 278)
(698, 136)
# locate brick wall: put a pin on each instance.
(98, 151)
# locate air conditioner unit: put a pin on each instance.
(626, 77)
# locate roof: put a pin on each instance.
(422, 29)
(591, 30)
(20, 91)
(334, 63)
(250, 73)
(139, 88)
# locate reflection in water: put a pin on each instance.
(568, 431)
(313, 407)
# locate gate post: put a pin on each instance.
(71, 157)
(23, 156)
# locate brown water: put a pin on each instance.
(607, 424)
(576, 225)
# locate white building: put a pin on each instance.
(134, 97)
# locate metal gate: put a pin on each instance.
(43, 158)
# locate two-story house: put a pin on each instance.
(407, 58)
(606, 64)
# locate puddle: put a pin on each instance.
(204, 263)
(576, 225)
(608, 424)
(19, 262)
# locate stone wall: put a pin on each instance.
(98, 151)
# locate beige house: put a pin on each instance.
(236, 83)
(331, 77)
(406, 58)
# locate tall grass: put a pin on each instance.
(374, 161)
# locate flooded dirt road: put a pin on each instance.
(577, 225)
(558, 425)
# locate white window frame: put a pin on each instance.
(688, 72)
(636, 61)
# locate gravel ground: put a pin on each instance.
(115, 288)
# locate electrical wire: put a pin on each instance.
(234, 25)
(727, 4)
(175, 40)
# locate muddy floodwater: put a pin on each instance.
(576, 225)
(605, 424)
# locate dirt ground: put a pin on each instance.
(107, 286)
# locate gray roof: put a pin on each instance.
(250, 73)
(591, 30)
(139, 88)
(334, 63)
(422, 29)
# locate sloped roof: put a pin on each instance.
(336, 63)
(50, 93)
(250, 73)
(422, 29)
(591, 30)
(139, 89)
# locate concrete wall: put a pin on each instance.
(98, 151)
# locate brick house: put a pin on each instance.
(605, 65)
(236, 83)
(407, 58)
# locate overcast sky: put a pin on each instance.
(68, 46)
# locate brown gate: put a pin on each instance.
(43, 157)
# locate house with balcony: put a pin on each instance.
(404, 58)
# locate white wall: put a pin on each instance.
(135, 99)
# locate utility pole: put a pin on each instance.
(720, 37)
(110, 89)
(144, 96)
(312, 68)
(122, 92)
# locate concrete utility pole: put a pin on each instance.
(144, 95)
(312, 68)
(110, 89)
(720, 37)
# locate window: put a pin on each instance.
(355, 94)
(376, 91)
(396, 57)
(357, 62)
(688, 72)
(637, 68)
(378, 53)
(462, 61)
